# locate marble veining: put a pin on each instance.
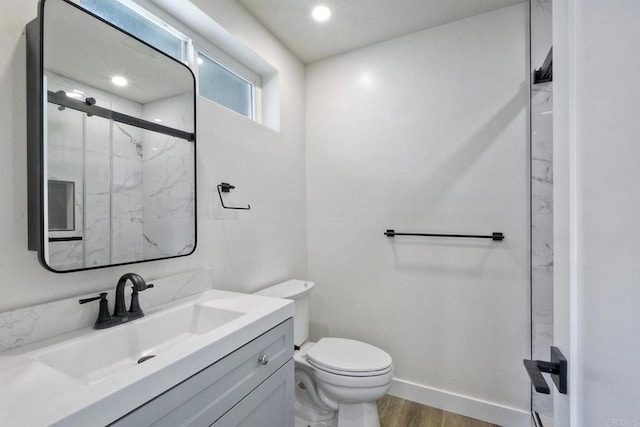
(130, 136)
(542, 170)
(16, 326)
(168, 187)
(30, 324)
(66, 255)
(542, 205)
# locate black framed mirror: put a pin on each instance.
(111, 144)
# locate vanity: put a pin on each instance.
(218, 358)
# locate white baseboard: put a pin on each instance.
(459, 404)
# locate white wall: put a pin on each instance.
(248, 250)
(597, 222)
(427, 133)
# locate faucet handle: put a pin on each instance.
(103, 315)
(99, 297)
(135, 308)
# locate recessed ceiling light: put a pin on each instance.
(119, 81)
(200, 60)
(321, 13)
(78, 91)
(74, 95)
(157, 120)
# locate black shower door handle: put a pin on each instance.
(557, 368)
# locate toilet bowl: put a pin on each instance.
(337, 380)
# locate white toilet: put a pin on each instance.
(337, 380)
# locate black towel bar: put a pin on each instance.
(493, 236)
(64, 239)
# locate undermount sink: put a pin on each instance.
(103, 353)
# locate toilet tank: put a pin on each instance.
(298, 291)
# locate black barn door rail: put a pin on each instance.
(493, 236)
(88, 106)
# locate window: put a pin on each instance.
(223, 82)
(223, 86)
(149, 30)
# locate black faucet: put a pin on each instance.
(134, 310)
(120, 313)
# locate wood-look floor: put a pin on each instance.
(396, 412)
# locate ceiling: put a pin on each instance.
(358, 23)
(86, 50)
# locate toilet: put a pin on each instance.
(337, 380)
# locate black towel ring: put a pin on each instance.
(225, 187)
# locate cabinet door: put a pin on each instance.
(269, 405)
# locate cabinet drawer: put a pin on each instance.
(203, 398)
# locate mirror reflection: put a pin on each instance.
(118, 146)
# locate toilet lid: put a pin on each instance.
(348, 356)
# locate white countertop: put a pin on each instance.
(33, 393)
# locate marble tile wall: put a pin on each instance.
(121, 217)
(97, 198)
(541, 198)
(169, 192)
(127, 215)
(109, 209)
(64, 153)
(30, 324)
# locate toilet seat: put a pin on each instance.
(347, 357)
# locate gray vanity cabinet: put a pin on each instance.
(250, 387)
